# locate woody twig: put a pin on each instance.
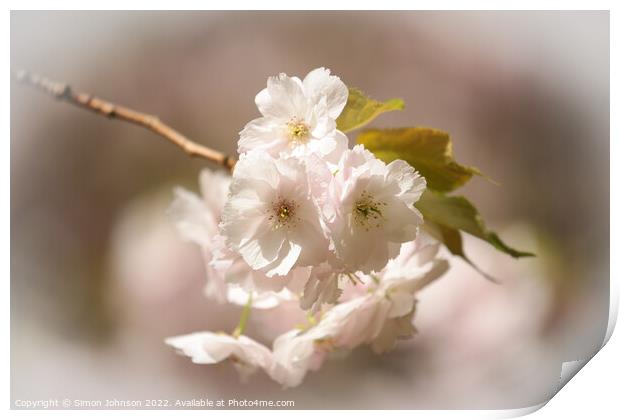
(63, 92)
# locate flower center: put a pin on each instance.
(297, 130)
(367, 212)
(283, 213)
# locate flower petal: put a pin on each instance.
(263, 248)
(319, 82)
(211, 348)
(282, 99)
(214, 187)
(194, 221)
(289, 253)
(293, 355)
(262, 134)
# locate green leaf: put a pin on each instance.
(456, 212)
(360, 110)
(428, 150)
(452, 239)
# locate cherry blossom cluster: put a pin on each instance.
(306, 219)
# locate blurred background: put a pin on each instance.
(99, 277)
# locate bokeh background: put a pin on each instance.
(99, 277)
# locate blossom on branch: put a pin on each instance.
(306, 219)
(299, 117)
(229, 278)
(270, 216)
(372, 209)
(377, 317)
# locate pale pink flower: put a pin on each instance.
(196, 218)
(270, 217)
(370, 211)
(378, 317)
(229, 278)
(299, 117)
(210, 348)
(294, 354)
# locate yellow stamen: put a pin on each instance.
(283, 213)
(368, 212)
(298, 131)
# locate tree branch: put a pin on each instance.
(63, 92)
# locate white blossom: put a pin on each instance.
(211, 348)
(371, 209)
(306, 219)
(229, 278)
(196, 219)
(270, 217)
(299, 117)
(377, 317)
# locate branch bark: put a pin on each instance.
(63, 92)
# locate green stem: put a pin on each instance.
(375, 279)
(243, 320)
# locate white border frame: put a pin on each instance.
(593, 390)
